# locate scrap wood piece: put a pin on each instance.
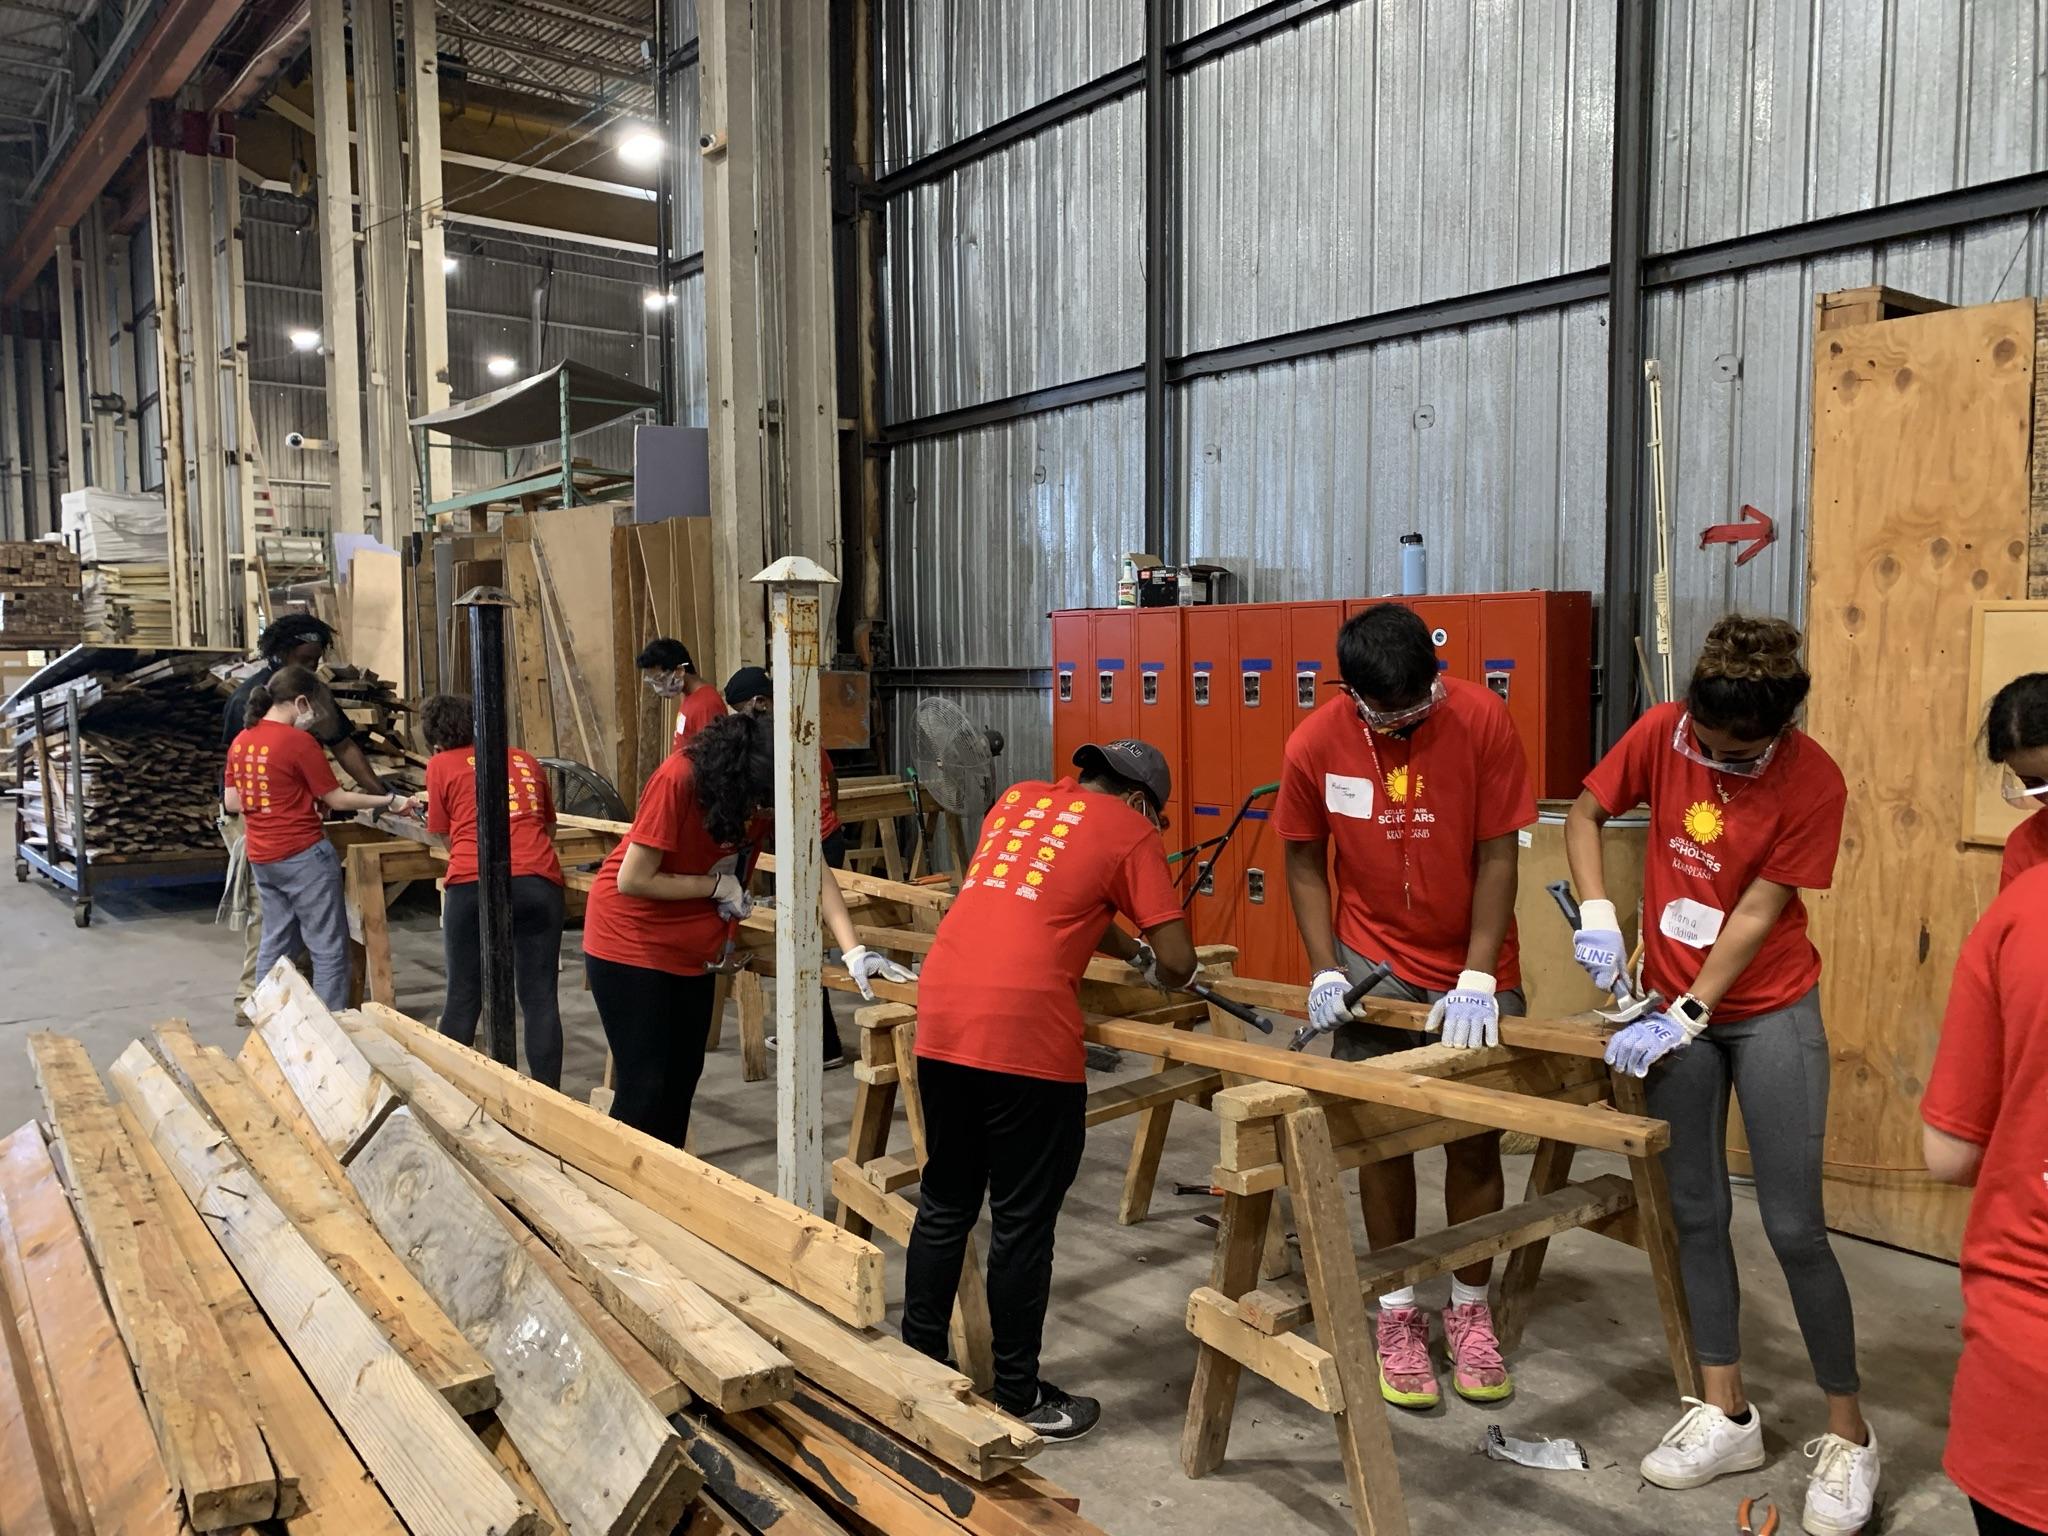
(607, 1460)
(918, 1397)
(749, 1488)
(205, 1424)
(715, 1354)
(349, 1243)
(343, 1098)
(548, 1520)
(120, 1472)
(336, 1496)
(33, 1494)
(791, 1246)
(261, 1072)
(439, 1479)
(45, 1428)
(1287, 1360)
(837, 1472)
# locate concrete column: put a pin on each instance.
(339, 338)
(71, 397)
(430, 277)
(381, 186)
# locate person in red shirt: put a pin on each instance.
(2016, 738)
(277, 781)
(1745, 812)
(1421, 783)
(446, 723)
(665, 905)
(1986, 1115)
(669, 671)
(1000, 1052)
(751, 691)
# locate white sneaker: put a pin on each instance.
(1843, 1486)
(1704, 1445)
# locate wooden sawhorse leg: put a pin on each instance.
(1240, 1240)
(752, 998)
(1550, 1172)
(1658, 1235)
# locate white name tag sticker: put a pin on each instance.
(1692, 923)
(1347, 796)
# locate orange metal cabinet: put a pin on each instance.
(1535, 649)
(1073, 687)
(1115, 680)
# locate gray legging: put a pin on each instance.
(1778, 1063)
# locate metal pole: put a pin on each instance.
(487, 607)
(568, 472)
(1159, 537)
(794, 584)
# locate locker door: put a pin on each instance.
(1116, 676)
(1160, 706)
(1265, 715)
(1450, 630)
(1213, 911)
(1210, 707)
(1073, 691)
(1312, 656)
(1510, 644)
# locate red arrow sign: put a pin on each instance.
(1754, 526)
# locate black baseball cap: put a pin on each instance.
(746, 684)
(1139, 761)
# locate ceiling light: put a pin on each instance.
(639, 145)
(657, 301)
(449, 264)
(501, 367)
(305, 341)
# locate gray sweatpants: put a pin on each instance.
(303, 904)
(1778, 1064)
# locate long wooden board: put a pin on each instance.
(791, 1246)
(353, 1248)
(44, 1429)
(437, 1476)
(34, 1491)
(607, 1460)
(341, 1095)
(264, 1077)
(205, 1425)
(742, 1483)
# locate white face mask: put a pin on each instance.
(303, 719)
(666, 685)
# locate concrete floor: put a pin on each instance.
(1591, 1368)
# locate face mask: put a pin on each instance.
(666, 685)
(1388, 721)
(303, 720)
(1686, 745)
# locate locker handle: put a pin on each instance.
(1149, 687)
(1251, 690)
(1105, 687)
(1202, 688)
(1066, 687)
(1255, 886)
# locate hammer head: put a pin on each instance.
(1635, 1008)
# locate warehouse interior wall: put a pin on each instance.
(1373, 158)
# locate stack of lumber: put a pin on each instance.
(123, 546)
(152, 758)
(40, 607)
(359, 1279)
(128, 604)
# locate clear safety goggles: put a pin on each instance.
(2022, 793)
(1388, 721)
(1687, 746)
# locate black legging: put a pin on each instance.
(536, 962)
(1991, 1523)
(655, 1023)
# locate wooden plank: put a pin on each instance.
(120, 1472)
(363, 877)
(748, 993)
(837, 1472)
(43, 1428)
(342, 1097)
(261, 1072)
(932, 898)
(519, 1471)
(1287, 1360)
(376, 636)
(337, 1497)
(753, 1489)
(1921, 434)
(438, 1478)
(1117, 1100)
(792, 1247)
(340, 1233)
(711, 1350)
(1371, 1474)
(899, 1388)
(874, 1107)
(205, 1425)
(1212, 1397)
(606, 1459)
(31, 1486)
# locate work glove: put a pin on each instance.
(1146, 964)
(731, 898)
(1468, 1014)
(863, 965)
(1598, 947)
(1636, 1047)
(1326, 1008)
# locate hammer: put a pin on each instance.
(1630, 1006)
(731, 960)
(1375, 973)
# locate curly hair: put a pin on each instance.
(1749, 680)
(447, 722)
(2017, 720)
(733, 759)
(287, 633)
(286, 684)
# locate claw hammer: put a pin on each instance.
(1375, 973)
(1629, 1007)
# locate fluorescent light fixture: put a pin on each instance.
(639, 145)
(449, 264)
(500, 367)
(657, 301)
(305, 341)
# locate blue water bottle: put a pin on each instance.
(1414, 566)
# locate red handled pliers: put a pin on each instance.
(1744, 1526)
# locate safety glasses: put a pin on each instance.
(664, 684)
(1388, 721)
(1687, 746)
(2023, 792)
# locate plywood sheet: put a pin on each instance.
(573, 551)
(2007, 640)
(1920, 510)
(376, 615)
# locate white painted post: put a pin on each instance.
(794, 585)
(77, 472)
(429, 274)
(340, 339)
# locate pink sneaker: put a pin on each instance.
(1477, 1373)
(1407, 1376)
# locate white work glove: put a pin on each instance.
(731, 898)
(1468, 1014)
(1326, 1008)
(1146, 964)
(1598, 947)
(863, 965)
(1636, 1047)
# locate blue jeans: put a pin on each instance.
(303, 906)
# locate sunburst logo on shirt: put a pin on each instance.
(1704, 822)
(1397, 784)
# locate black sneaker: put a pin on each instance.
(1061, 1415)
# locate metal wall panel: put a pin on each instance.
(1301, 478)
(1023, 716)
(1772, 112)
(1381, 156)
(952, 67)
(1023, 270)
(688, 204)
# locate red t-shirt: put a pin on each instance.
(280, 773)
(1470, 781)
(680, 937)
(1001, 987)
(696, 710)
(828, 810)
(2026, 847)
(451, 811)
(1990, 1086)
(1706, 850)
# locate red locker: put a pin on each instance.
(1210, 724)
(1160, 707)
(1073, 687)
(1265, 716)
(1116, 675)
(1312, 652)
(1450, 627)
(1214, 910)
(1535, 649)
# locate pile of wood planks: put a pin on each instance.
(360, 1279)
(40, 607)
(128, 604)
